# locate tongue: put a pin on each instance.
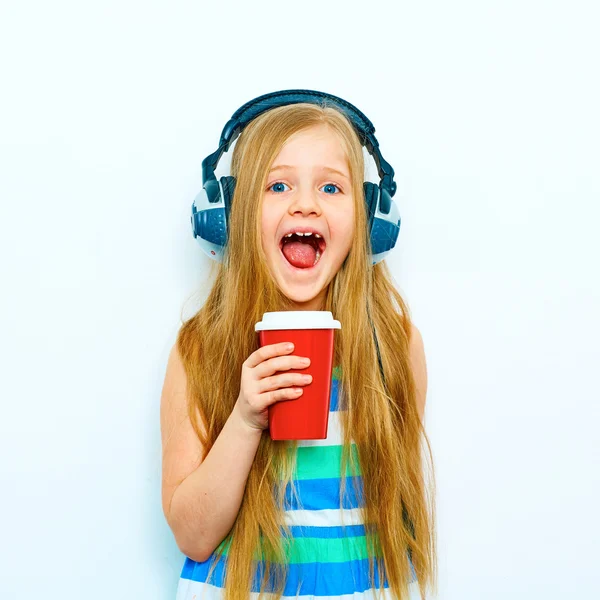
(299, 255)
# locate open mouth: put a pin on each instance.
(302, 251)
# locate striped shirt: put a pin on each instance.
(324, 559)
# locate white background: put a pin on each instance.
(488, 111)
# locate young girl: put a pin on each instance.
(335, 518)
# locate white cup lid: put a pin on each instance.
(298, 319)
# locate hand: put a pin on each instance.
(260, 387)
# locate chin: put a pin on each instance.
(300, 292)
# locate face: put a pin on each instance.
(308, 188)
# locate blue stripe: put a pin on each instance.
(320, 579)
(332, 531)
(319, 494)
(333, 396)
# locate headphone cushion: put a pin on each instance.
(228, 185)
(371, 196)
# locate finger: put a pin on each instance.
(281, 394)
(266, 352)
(280, 363)
(284, 380)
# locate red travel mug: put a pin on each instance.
(312, 333)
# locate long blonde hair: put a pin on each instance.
(382, 420)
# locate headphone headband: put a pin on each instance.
(254, 107)
(251, 109)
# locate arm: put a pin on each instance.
(419, 368)
(200, 499)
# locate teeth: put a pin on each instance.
(317, 257)
(302, 234)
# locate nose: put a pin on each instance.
(305, 202)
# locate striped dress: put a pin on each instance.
(325, 561)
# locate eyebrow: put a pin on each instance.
(329, 169)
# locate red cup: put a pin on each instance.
(312, 333)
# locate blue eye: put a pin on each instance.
(277, 183)
(330, 185)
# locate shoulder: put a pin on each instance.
(419, 367)
(173, 397)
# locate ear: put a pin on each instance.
(419, 368)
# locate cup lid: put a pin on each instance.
(298, 319)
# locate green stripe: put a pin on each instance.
(302, 550)
(322, 462)
(336, 373)
(307, 550)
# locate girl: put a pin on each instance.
(328, 518)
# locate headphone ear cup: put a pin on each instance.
(371, 196)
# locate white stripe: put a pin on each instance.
(334, 432)
(196, 590)
(324, 518)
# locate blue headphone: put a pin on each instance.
(210, 208)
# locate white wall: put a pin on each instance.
(488, 113)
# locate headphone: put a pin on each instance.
(210, 208)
